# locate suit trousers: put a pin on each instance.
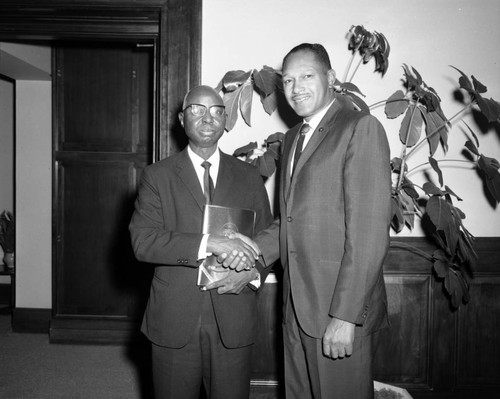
(311, 375)
(224, 373)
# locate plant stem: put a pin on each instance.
(411, 248)
(355, 70)
(351, 60)
(405, 146)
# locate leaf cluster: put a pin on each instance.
(370, 45)
(238, 87)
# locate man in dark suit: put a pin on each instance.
(198, 336)
(333, 234)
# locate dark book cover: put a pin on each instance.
(223, 221)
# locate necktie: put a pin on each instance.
(208, 183)
(300, 143)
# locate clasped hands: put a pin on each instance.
(235, 251)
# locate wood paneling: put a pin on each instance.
(403, 347)
(479, 335)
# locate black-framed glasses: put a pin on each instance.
(216, 111)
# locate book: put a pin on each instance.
(223, 221)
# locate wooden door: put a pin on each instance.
(104, 101)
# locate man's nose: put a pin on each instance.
(297, 87)
(208, 117)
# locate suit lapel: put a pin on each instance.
(185, 171)
(322, 130)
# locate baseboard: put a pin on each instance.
(30, 320)
(95, 330)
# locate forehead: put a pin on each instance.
(204, 97)
(301, 60)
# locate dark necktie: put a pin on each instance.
(208, 183)
(300, 143)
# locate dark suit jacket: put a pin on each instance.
(334, 224)
(166, 231)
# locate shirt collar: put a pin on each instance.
(197, 160)
(316, 119)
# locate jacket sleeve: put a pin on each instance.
(367, 194)
(153, 234)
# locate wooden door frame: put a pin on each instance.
(162, 22)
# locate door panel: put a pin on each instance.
(104, 126)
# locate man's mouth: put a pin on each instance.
(300, 98)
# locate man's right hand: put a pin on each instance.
(234, 252)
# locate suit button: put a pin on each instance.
(289, 218)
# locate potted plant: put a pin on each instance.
(7, 237)
(423, 125)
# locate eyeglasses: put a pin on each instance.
(216, 111)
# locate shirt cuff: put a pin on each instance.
(256, 282)
(202, 251)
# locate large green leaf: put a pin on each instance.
(246, 103)
(234, 79)
(431, 189)
(245, 149)
(478, 86)
(436, 130)
(439, 212)
(231, 101)
(489, 107)
(411, 127)
(266, 165)
(492, 178)
(409, 188)
(471, 147)
(436, 168)
(267, 80)
(270, 103)
(396, 105)
(397, 212)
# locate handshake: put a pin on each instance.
(235, 251)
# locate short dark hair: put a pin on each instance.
(317, 49)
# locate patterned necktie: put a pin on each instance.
(208, 183)
(300, 143)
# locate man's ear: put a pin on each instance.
(331, 77)
(180, 115)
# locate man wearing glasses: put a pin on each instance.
(199, 337)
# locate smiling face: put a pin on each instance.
(307, 83)
(203, 131)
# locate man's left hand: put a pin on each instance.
(234, 282)
(338, 339)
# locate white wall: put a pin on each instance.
(429, 35)
(33, 194)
